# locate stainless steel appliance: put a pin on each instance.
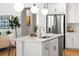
(55, 23)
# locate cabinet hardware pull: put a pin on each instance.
(54, 48)
(46, 47)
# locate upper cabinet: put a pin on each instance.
(57, 8)
(73, 13)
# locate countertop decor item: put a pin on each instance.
(35, 29)
(70, 29)
(33, 35)
(8, 32)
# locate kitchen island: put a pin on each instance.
(47, 45)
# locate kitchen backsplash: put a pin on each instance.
(74, 26)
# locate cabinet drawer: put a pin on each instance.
(53, 40)
(46, 44)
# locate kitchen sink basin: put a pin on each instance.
(45, 37)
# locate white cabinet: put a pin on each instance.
(50, 48)
(76, 41)
(45, 48)
(73, 13)
(69, 41)
(59, 8)
(54, 49)
(72, 41)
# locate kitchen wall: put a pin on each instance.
(40, 19)
(8, 9)
(73, 16)
(57, 8)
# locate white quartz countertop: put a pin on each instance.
(35, 39)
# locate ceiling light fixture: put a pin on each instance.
(34, 9)
(18, 7)
(44, 11)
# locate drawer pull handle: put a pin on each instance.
(54, 48)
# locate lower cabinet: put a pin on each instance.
(72, 41)
(54, 49)
(69, 40)
(46, 48)
(50, 48)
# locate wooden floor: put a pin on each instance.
(71, 52)
(4, 52)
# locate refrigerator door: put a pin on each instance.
(60, 24)
(55, 24)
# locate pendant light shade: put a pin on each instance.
(44, 11)
(34, 9)
(18, 7)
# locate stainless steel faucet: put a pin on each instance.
(40, 30)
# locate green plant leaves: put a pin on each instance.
(13, 22)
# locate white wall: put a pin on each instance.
(8, 9)
(41, 20)
(59, 8)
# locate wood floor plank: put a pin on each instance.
(5, 52)
(71, 52)
(66, 52)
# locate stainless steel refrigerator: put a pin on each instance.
(55, 24)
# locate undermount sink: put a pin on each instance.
(45, 37)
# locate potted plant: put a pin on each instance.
(14, 23)
(0, 33)
(8, 32)
(35, 29)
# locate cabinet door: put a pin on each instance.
(57, 8)
(45, 49)
(77, 12)
(69, 41)
(19, 48)
(71, 13)
(54, 49)
(76, 41)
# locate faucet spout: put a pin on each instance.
(40, 31)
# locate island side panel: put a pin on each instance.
(18, 48)
(33, 49)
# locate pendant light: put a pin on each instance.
(34, 9)
(44, 11)
(18, 7)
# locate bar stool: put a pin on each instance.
(11, 47)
